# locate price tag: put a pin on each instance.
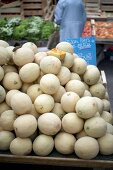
(85, 47)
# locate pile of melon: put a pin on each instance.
(49, 102)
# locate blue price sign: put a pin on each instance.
(85, 47)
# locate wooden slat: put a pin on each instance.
(32, 6)
(10, 10)
(33, 12)
(107, 7)
(13, 4)
(10, 15)
(32, 1)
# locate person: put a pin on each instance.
(70, 15)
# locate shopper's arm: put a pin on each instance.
(59, 11)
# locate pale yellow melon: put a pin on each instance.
(100, 104)
(68, 60)
(44, 103)
(9, 95)
(25, 86)
(3, 44)
(71, 123)
(4, 56)
(39, 56)
(23, 56)
(98, 90)
(65, 46)
(49, 84)
(4, 107)
(86, 107)
(29, 72)
(2, 94)
(106, 105)
(1, 73)
(75, 86)
(92, 75)
(81, 134)
(106, 144)
(108, 117)
(87, 93)
(64, 75)
(79, 66)
(75, 76)
(12, 81)
(34, 91)
(57, 96)
(7, 119)
(9, 68)
(109, 128)
(21, 103)
(58, 110)
(31, 46)
(6, 138)
(86, 148)
(95, 127)
(43, 145)
(64, 143)
(69, 100)
(25, 125)
(50, 64)
(49, 124)
(21, 146)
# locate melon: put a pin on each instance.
(2, 94)
(64, 143)
(95, 127)
(108, 117)
(86, 148)
(71, 123)
(92, 75)
(50, 64)
(4, 107)
(23, 56)
(86, 107)
(34, 91)
(39, 56)
(4, 56)
(11, 81)
(25, 125)
(79, 66)
(3, 44)
(98, 90)
(65, 46)
(29, 72)
(1, 73)
(75, 86)
(106, 144)
(106, 105)
(9, 95)
(58, 95)
(44, 103)
(69, 100)
(64, 75)
(68, 60)
(21, 103)
(75, 76)
(49, 84)
(43, 145)
(58, 110)
(7, 119)
(6, 138)
(21, 146)
(9, 68)
(31, 46)
(49, 124)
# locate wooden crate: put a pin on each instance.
(107, 5)
(11, 10)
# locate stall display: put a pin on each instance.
(56, 107)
